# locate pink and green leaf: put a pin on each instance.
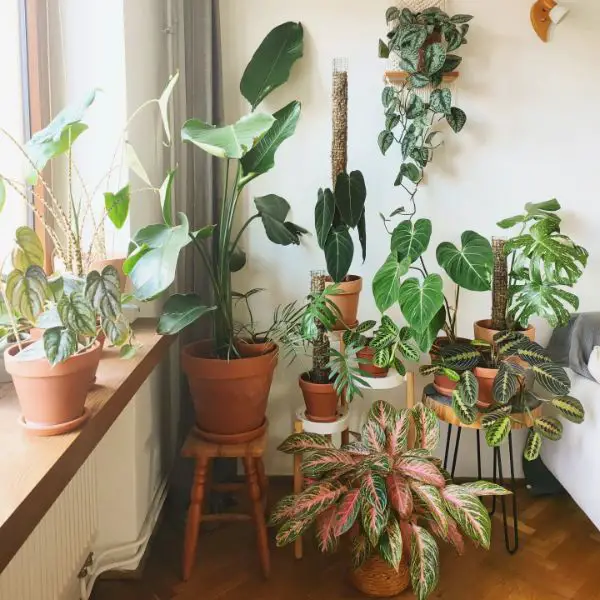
(373, 436)
(291, 531)
(283, 510)
(390, 543)
(382, 413)
(469, 513)
(453, 536)
(420, 470)
(397, 433)
(319, 462)
(382, 464)
(326, 530)
(361, 550)
(316, 499)
(400, 495)
(434, 504)
(301, 442)
(373, 504)
(485, 488)
(347, 512)
(427, 427)
(424, 563)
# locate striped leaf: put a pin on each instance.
(505, 384)
(533, 354)
(427, 427)
(469, 513)
(59, 344)
(327, 537)
(553, 378)
(319, 462)
(365, 326)
(497, 431)
(427, 370)
(317, 498)
(397, 434)
(409, 351)
(382, 413)
(549, 427)
(383, 357)
(570, 408)
(373, 505)
(381, 463)
(434, 503)
(400, 495)
(27, 292)
(399, 366)
(103, 292)
(505, 336)
(421, 471)
(347, 511)
(533, 445)
(453, 536)
(356, 449)
(424, 562)
(77, 314)
(510, 346)
(467, 414)
(468, 389)
(283, 510)
(373, 436)
(291, 530)
(361, 550)
(460, 356)
(300, 442)
(490, 418)
(485, 488)
(390, 543)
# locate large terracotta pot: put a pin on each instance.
(347, 301)
(376, 579)
(368, 367)
(483, 331)
(117, 263)
(485, 377)
(320, 399)
(230, 396)
(52, 399)
(444, 385)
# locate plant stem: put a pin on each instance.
(11, 316)
(239, 235)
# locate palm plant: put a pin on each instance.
(392, 500)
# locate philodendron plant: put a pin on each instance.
(392, 500)
(519, 362)
(422, 300)
(424, 43)
(73, 311)
(247, 149)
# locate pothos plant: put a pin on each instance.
(422, 301)
(424, 43)
(392, 500)
(73, 312)
(519, 362)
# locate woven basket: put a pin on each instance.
(375, 578)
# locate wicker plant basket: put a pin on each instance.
(378, 580)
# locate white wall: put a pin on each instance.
(532, 111)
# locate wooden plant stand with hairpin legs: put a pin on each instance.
(256, 483)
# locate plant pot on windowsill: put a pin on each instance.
(320, 398)
(52, 398)
(347, 301)
(444, 385)
(376, 579)
(230, 396)
(369, 367)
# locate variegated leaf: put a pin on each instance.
(453, 536)
(383, 357)
(485, 488)
(347, 511)
(356, 449)
(390, 543)
(468, 389)
(533, 354)
(570, 408)
(317, 498)
(506, 336)
(77, 314)
(490, 418)
(460, 356)
(27, 292)
(467, 414)
(318, 462)
(117, 330)
(397, 434)
(469, 513)
(424, 562)
(300, 442)
(383, 413)
(327, 538)
(497, 431)
(283, 510)
(365, 326)
(103, 292)
(533, 445)
(373, 505)
(409, 351)
(427, 427)
(400, 495)
(430, 496)
(553, 378)
(505, 384)
(380, 463)
(373, 436)
(420, 470)
(291, 530)
(361, 550)
(427, 370)
(549, 427)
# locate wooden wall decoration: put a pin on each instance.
(543, 14)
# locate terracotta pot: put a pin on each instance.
(444, 385)
(485, 377)
(347, 301)
(117, 263)
(320, 399)
(250, 348)
(51, 397)
(230, 397)
(36, 333)
(483, 331)
(376, 579)
(372, 370)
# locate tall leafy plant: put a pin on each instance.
(247, 149)
(392, 500)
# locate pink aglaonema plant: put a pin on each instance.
(391, 499)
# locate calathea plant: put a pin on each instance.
(422, 300)
(517, 362)
(247, 149)
(424, 44)
(392, 500)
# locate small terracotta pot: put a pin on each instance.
(372, 370)
(320, 399)
(444, 385)
(376, 579)
(117, 263)
(52, 396)
(250, 348)
(485, 377)
(483, 331)
(230, 397)
(347, 301)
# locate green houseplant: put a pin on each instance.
(390, 499)
(52, 375)
(495, 380)
(230, 389)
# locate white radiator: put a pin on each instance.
(46, 566)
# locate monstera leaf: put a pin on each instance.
(386, 283)
(77, 314)
(27, 292)
(350, 196)
(272, 62)
(411, 239)
(470, 267)
(533, 212)
(273, 211)
(28, 249)
(421, 300)
(103, 292)
(230, 141)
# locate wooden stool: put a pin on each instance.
(256, 482)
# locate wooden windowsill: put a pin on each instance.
(33, 470)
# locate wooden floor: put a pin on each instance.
(559, 559)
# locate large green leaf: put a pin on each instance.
(470, 267)
(324, 212)
(179, 311)
(426, 337)
(386, 283)
(261, 158)
(469, 513)
(27, 292)
(230, 141)
(273, 210)
(350, 197)
(103, 292)
(424, 563)
(59, 344)
(28, 249)
(117, 206)
(461, 357)
(466, 413)
(411, 238)
(77, 314)
(272, 62)
(421, 300)
(468, 388)
(339, 251)
(152, 269)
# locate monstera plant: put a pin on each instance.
(392, 500)
(230, 381)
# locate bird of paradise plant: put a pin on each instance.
(390, 498)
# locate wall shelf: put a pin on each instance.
(401, 76)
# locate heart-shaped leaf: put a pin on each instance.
(324, 212)
(441, 101)
(456, 118)
(117, 330)
(386, 283)
(350, 197)
(117, 206)
(59, 344)
(77, 314)
(421, 300)
(426, 337)
(471, 266)
(273, 211)
(103, 292)
(411, 239)
(181, 310)
(28, 251)
(435, 57)
(339, 251)
(385, 141)
(27, 292)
